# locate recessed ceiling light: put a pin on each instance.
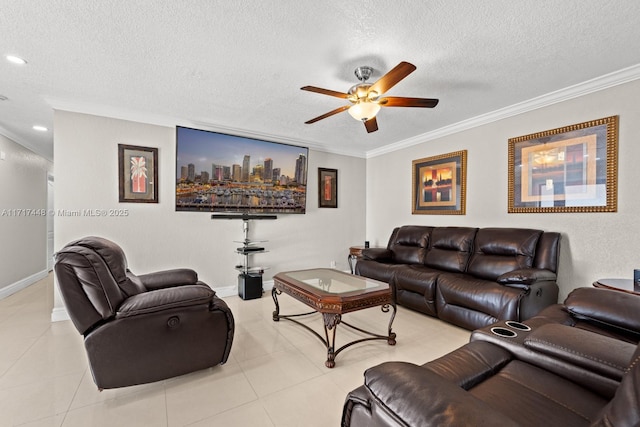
(16, 60)
(40, 128)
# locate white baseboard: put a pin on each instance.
(59, 314)
(21, 284)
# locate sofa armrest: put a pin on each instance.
(169, 278)
(597, 353)
(608, 308)
(524, 277)
(164, 299)
(377, 254)
(415, 396)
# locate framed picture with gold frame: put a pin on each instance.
(439, 184)
(568, 169)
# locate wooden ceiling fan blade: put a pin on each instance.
(398, 101)
(329, 114)
(392, 78)
(371, 125)
(326, 91)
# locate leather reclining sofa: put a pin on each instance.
(575, 364)
(470, 277)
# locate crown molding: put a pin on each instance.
(26, 144)
(169, 121)
(590, 86)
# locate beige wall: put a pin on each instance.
(594, 245)
(155, 236)
(23, 185)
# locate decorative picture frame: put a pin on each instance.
(439, 184)
(568, 169)
(327, 188)
(137, 174)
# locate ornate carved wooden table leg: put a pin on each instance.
(331, 322)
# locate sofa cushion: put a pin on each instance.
(376, 270)
(410, 244)
(450, 248)
(415, 287)
(458, 297)
(500, 250)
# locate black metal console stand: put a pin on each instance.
(250, 277)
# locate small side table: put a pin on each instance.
(355, 253)
(622, 285)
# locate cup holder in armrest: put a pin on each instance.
(517, 325)
(503, 332)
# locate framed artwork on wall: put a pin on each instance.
(137, 174)
(327, 188)
(568, 169)
(439, 184)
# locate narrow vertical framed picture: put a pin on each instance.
(137, 174)
(327, 188)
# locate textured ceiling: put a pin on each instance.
(238, 66)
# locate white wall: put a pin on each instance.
(23, 185)
(155, 236)
(594, 245)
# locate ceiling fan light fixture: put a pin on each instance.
(363, 111)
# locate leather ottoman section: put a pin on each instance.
(415, 287)
(474, 303)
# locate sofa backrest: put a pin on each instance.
(500, 250)
(548, 251)
(409, 244)
(450, 248)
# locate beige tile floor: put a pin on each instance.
(275, 375)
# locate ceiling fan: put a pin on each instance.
(366, 98)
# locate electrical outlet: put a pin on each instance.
(333, 264)
(3, 155)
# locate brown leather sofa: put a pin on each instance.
(471, 277)
(575, 364)
(140, 329)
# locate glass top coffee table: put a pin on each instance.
(333, 293)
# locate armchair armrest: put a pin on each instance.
(524, 277)
(164, 299)
(608, 308)
(607, 356)
(377, 254)
(169, 278)
(413, 395)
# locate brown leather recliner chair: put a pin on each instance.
(140, 329)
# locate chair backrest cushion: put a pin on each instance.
(92, 273)
(500, 250)
(410, 244)
(450, 248)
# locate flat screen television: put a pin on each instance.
(216, 172)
